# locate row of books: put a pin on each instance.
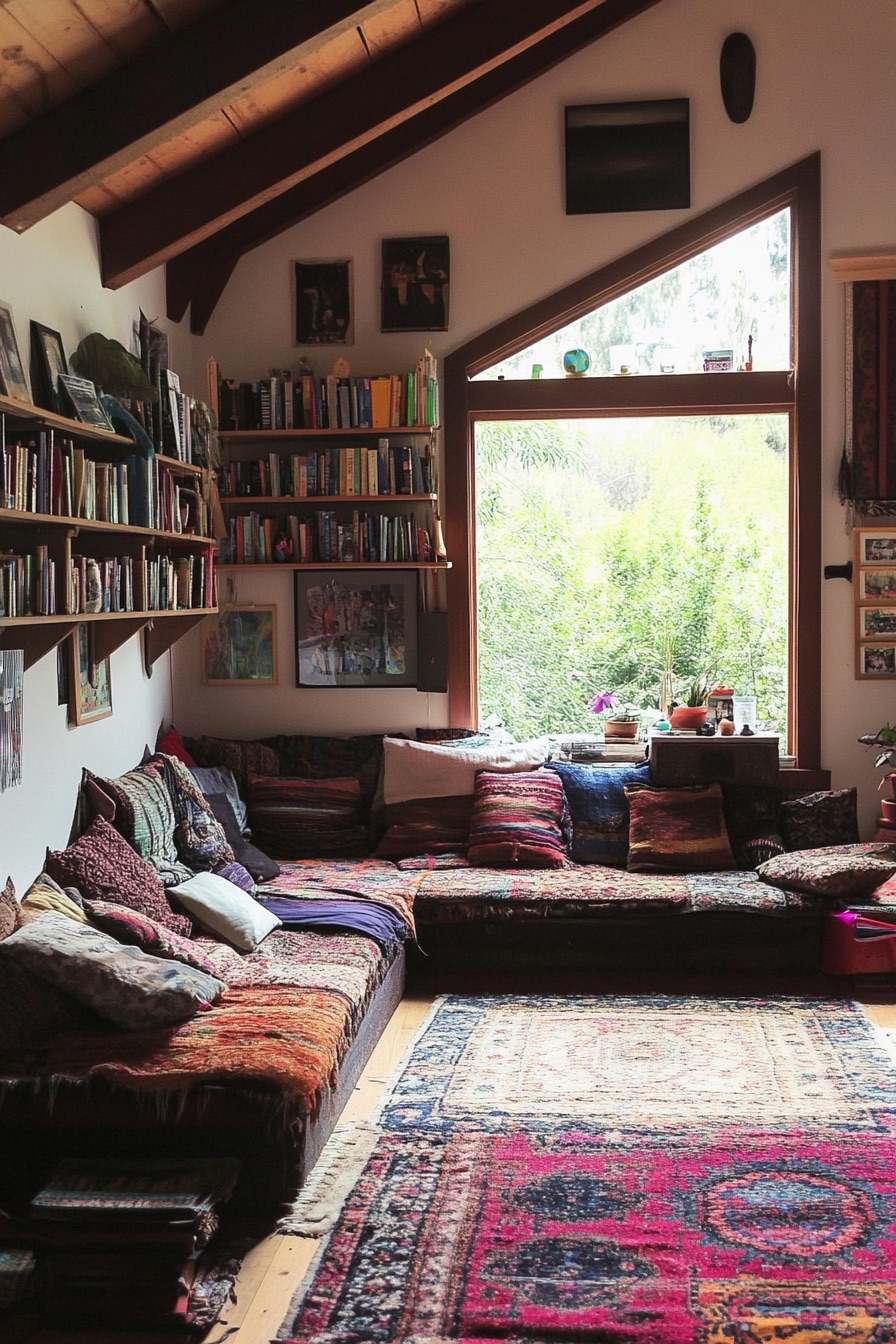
(325, 538)
(388, 469)
(51, 475)
(179, 583)
(330, 402)
(28, 584)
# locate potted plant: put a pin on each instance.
(689, 711)
(621, 721)
(885, 740)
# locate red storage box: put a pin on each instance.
(856, 944)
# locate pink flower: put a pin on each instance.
(599, 703)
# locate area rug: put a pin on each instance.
(680, 1189)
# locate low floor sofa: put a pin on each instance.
(375, 857)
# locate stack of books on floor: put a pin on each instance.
(121, 1241)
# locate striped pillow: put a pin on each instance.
(517, 820)
(307, 818)
(677, 830)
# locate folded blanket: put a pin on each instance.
(349, 916)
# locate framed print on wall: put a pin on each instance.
(239, 647)
(322, 303)
(356, 629)
(415, 282)
(876, 661)
(90, 682)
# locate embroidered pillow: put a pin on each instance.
(845, 871)
(829, 817)
(304, 756)
(10, 914)
(216, 779)
(599, 809)
(226, 910)
(136, 930)
(198, 835)
(240, 877)
(104, 867)
(122, 984)
(45, 894)
(677, 830)
(307, 818)
(138, 804)
(428, 790)
(517, 821)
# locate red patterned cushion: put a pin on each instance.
(104, 867)
(677, 830)
(307, 818)
(137, 930)
(426, 826)
(517, 820)
(172, 744)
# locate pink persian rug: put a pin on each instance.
(652, 1170)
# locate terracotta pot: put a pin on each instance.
(888, 785)
(627, 731)
(688, 717)
(888, 810)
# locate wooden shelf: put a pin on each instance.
(37, 635)
(24, 413)
(355, 431)
(872, 266)
(341, 564)
(95, 525)
(314, 500)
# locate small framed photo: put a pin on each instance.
(356, 629)
(876, 622)
(322, 303)
(414, 285)
(239, 647)
(876, 546)
(877, 585)
(82, 403)
(876, 660)
(13, 382)
(90, 681)
(47, 363)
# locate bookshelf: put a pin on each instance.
(92, 532)
(356, 498)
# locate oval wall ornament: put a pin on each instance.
(737, 76)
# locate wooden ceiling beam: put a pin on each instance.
(477, 41)
(161, 94)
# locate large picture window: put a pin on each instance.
(765, 418)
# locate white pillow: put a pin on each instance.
(422, 770)
(226, 909)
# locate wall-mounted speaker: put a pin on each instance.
(737, 76)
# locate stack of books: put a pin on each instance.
(120, 1241)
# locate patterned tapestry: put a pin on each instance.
(12, 676)
(870, 450)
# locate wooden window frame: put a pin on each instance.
(795, 392)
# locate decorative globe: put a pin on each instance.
(576, 363)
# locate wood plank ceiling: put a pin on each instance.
(195, 130)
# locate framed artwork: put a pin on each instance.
(876, 545)
(357, 628)
(239, 647)
(47, 363)
(877, 585)
(322, 303)
(876, 622)
(13, 382)
(81, 401)
(414, 285)
(876, 660)
(90, 681)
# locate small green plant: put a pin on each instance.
(695, 692)
(885, 740)
(605, 704)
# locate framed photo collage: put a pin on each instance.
(875, 602)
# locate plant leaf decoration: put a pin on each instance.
(113, 368)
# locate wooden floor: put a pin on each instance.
(275, 1267)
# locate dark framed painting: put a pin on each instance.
(47, 363)
(13, 382)
(415, 282)
(90, 681)
(356, 628)
(239, 647)
(322, 303)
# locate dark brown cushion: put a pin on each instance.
(846, 871)
(677, 830)
(829, 817)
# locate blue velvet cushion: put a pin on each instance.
(599, 809)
